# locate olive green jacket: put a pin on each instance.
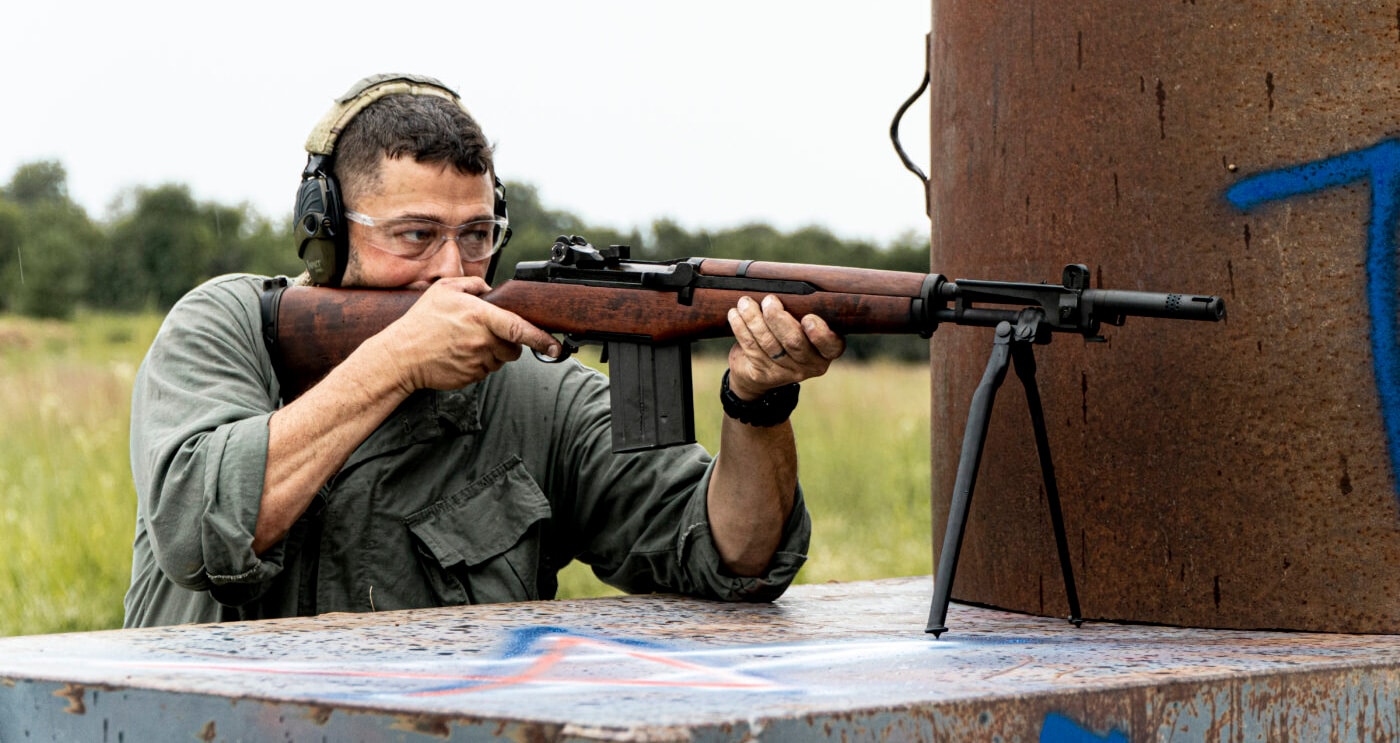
(466, 496)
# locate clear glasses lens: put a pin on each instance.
(421, 239)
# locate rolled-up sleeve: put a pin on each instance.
(199, 433)
(697, 548)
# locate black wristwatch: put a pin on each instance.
(773, 408)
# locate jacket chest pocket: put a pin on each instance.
(481, 544)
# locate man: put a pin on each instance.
(436, 466)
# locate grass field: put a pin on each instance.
(67, 507)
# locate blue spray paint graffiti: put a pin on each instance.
(1380, 164)
(1061, 729)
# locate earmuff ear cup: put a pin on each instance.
(321, 238)
(501, 213)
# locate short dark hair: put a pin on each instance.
(427, 128)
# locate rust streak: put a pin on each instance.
(1084, 395)
(1162, 108)
(74, 694)
(425, 724)
(1344, 484)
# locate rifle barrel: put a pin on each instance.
(1154, 304)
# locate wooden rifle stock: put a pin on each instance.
(313, 329)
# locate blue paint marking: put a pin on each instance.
(1380, 164)
(522, 641)
(1061, 729)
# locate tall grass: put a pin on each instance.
(67, 507)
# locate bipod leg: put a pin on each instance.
(1023, 355)
(974, 437)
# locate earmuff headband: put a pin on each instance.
(367, 91)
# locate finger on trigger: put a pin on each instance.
(512, 328)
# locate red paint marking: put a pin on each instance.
(313, 672)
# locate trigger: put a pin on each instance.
(567, 346)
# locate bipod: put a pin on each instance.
(1017, 345)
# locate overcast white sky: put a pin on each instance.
(712, 113)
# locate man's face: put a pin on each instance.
(408, 188)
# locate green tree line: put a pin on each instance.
(159, 242)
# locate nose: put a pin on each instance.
(448, 261)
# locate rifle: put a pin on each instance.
(646, 314)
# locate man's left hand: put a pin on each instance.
(773, 348)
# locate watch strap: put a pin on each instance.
(774, 407)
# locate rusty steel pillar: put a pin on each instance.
(1236, 475)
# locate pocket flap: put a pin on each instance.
(482, 520)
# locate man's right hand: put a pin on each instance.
(451, 338)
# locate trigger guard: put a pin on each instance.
(567, 347)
